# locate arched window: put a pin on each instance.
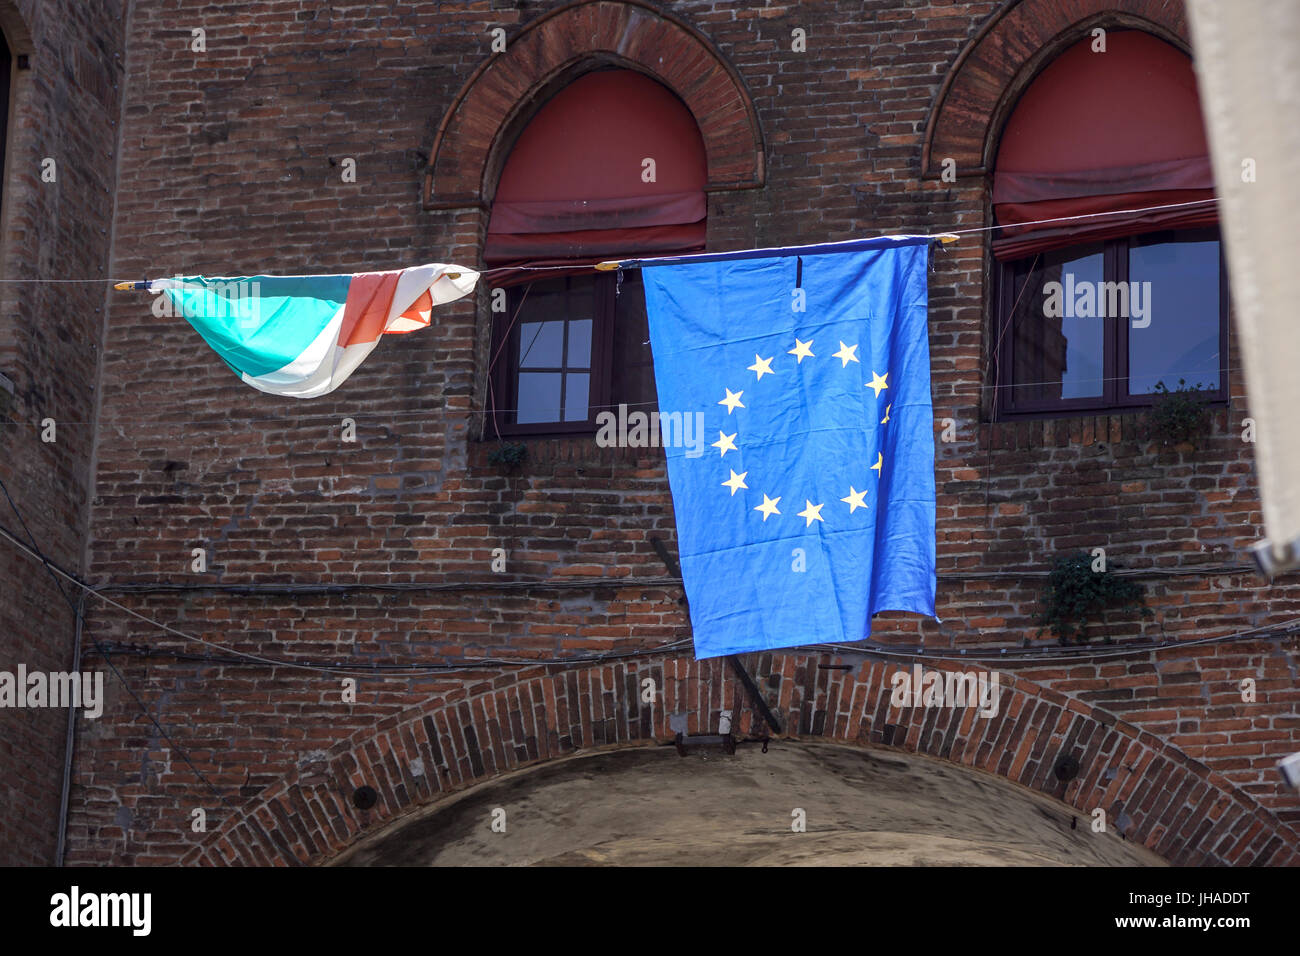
(1101, 308)
(613, 166)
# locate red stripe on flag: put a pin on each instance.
(370, 294)
(370, 297)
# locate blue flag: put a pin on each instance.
(812, 505)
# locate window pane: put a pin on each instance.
(1174, 305)
(554, 348)
(1058, 342)
(575, 396)
(541, 344)
(539, 397)
(579, 344)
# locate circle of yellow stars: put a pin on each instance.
(811, 512)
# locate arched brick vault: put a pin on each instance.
(1006, 53)
(507, 88)
(17, 36)
(1151, 791)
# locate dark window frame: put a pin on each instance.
(1116, 397)
(506, 329)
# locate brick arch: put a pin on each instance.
(17, 36)
(1155, 794)
(507, 88)
(1005, 55)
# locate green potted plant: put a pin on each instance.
(1077, 595)
(1180, 416)
(509, 456)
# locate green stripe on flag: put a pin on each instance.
(259, 324)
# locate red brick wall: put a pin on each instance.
(64, 107)
(229, 167)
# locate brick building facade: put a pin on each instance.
(66, 69)
(227, 161)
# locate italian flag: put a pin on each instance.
(302, 336)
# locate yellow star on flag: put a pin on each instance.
(732, 401)
(854, 500)
(880, 460)
(768, 507)
(736, 482)
(763, 366)
(846, 354)
(811, 513)
(801, 350)
(885, 420)
(726, 443)
(878, 383)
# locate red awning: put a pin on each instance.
(1103, 133)
(574, 185)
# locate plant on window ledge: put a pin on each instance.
(509, 456)
(1076, 596)
(1180, 416)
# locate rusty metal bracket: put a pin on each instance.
(755, 694)
(751, 688)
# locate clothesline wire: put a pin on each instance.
(505, 340)
(948, 232)
(952, 391)
(1089, 215)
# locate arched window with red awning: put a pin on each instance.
(1100, 132)
(612, 166)
(1124, 296)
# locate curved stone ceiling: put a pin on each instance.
(648, 806)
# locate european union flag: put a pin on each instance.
(814, 507)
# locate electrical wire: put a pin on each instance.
(1065, 654)
(352, 668)
(586, 583)
(347, 668)
(40, 555)
(420, 670)
(1032, 655)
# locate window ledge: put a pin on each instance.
(1086, 428)
(545, 451)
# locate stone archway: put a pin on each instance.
(800, 802)
(507, 87)
(1151, 792)
(1005, 55)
